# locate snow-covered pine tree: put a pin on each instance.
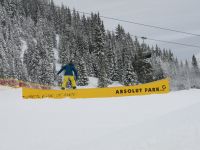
(195, 73)
(46, 55)
(100, 57)
(83, 77)
(187, 74)
(182, 78)
(142, 65)
(4, 67)
(64, 46)
(20, 71)
(120, 49)
(2, 2)
(31, 61)
(10, 47)
(172, 69)
(156, 61)
(129, 76)
(109, 55)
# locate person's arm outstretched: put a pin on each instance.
(61, 70)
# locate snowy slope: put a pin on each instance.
(153, 122)
(178, 130)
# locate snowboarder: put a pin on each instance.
(71, 75)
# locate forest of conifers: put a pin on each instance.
(32, 31)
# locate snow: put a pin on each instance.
(56, 55)
(93, 83)
(3, 88)
(58, 65)
(155, 122)
(24, 48)
(115, 84)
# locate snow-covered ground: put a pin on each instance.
(155, 122)
(93, 83)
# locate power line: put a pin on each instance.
(138, 23)
(152, 39)
(176, 43)
(146, 25)
(164, 41)
(151, 26)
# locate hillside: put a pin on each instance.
(37, 38)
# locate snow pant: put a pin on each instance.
(69, 78)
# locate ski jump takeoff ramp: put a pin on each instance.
(157, 87)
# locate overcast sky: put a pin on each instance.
(177, 14)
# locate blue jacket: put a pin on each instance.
(70, 70)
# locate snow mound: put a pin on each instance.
(115, 84)
(178, 130)
(3, 88)
(154, 122)
(93, 83)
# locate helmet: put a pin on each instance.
(71, 61)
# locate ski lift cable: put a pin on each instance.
(138, 23)
(151, 26)
(164, 41)
(145, 25)
(170, 42)
(152, 39)
(157, 40)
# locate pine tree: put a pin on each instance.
(100, 56)
(120, 51)
(64, 46)
(4, 67)
(46, 55)
(181, 78)
(31, 61)
(129, 76)
(195, 65)
(110, 56)
(142, 66)
(195, 73)
(83, 78)
(156, 62)
(2, 2)
(187, 74)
